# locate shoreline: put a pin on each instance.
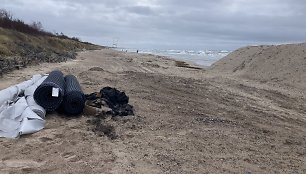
(190, 58)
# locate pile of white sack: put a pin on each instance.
(19, 113)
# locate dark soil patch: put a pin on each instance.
(185, 65)
(101, 128)
(96, 69)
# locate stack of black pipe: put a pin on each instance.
(70, 96)
(43, 94)
(74, 99)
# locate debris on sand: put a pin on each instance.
(185, 65)
(101, 128)
(112, 98)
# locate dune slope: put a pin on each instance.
(284, 64)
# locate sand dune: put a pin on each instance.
(284, 64)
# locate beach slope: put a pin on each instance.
(188, 120)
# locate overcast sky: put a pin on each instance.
(169, 24)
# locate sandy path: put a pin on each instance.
(187, 121)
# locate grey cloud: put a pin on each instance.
(141, 10)
(192, 24)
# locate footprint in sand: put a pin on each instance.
(27, 166)
(45, 139)
(70, 156)
(22, 163)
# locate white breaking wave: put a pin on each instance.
(200, 57)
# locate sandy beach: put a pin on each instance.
(187, 120)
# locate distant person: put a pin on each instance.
(137, 51)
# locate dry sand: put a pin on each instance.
(282, 64)
(187, 121)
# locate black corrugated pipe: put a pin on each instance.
(74, 99)
(50, 93)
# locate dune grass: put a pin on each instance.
(14, 43)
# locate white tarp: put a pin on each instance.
(21, 115)
(12, 92)
(29, 94)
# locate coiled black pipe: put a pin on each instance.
(74, 99)
(43, 94)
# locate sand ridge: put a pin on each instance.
(281, 64)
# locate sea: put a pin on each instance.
(199, 57)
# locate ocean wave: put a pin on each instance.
(201, 57)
